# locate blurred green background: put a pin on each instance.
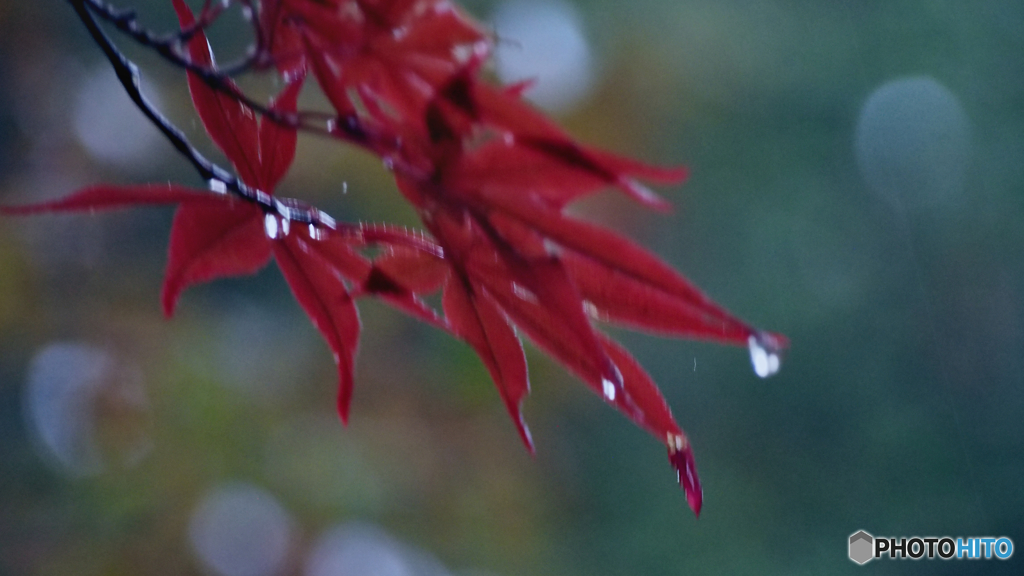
(857, 184)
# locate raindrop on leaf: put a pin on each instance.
(765, 354)
(217, 186)
(608, 387)
(270, 226)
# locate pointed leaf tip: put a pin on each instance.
(476, 319)
(681, 457)
(107, 197)
(344, 402)
(320, 290)
(644, 195)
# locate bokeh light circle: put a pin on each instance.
(241, 530)
(913, 143)
(543, 40)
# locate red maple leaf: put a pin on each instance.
(229, 238)
(490, 177)
(496, 208)
(216, 235)
(392, 53)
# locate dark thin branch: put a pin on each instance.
(128, 75)
(170, 48)
(168, 45)
(348, 128)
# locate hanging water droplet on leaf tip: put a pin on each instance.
(765, 354)
(695, 498)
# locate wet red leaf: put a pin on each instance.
(476, 319)
(213, 241)
(106, 197)
(489, 175)
(320, 290)
(231, 124)
(615, 296)
(412, 270)
(681, 456)
(276, 142)
(282, 40)
(608, 248)
(260, 150)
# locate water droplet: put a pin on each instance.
(462, 53)
(765, 354)
(551, 248)
(317, 233)
(270, 226)
(344, 187)
(217, 186)
(608, 387)
(325, 221)
(523, 293)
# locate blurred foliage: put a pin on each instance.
(898, 411)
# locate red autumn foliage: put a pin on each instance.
(490, 177)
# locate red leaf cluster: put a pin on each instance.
(490, 177)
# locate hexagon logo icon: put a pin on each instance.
(861, 547)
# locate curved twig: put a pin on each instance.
(128, 75)
(348, 128)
